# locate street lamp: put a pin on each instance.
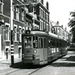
(11, 27)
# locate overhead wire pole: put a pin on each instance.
(11, 26)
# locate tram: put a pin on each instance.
(41, 48)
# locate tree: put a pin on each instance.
(71, 24)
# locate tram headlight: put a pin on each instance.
(35, 51)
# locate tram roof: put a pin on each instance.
(41, 33)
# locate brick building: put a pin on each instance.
(41, 14)
(19, 23)
(59, 31)
(27, 15)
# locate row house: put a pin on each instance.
(21, 21)
(59, 31)
(40, 15)
(27, 15)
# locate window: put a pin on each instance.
(6, 32)
(47, 17)
(20, 34)
(22, 0)
(52, 43)
(40, 11)
(0, 7)
(41, 25)
(15, 33)
(45, 43)
(29, 25)
(22, 14)
(23, 30)
(28, 41)
(44, 25)
(34, 0)
(58, 44)
(44, 14)
(35, 42)
(17, 13)
(47, 27)
(40, 42)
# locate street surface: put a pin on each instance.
(62, 66)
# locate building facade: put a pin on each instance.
(59, 31)
(27, 15)
(41, 14)
(19, 26)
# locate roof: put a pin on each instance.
(41, 33)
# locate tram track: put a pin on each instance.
(37, 70)
(13, 72)
(34, 71)
(22, 71)
(9, 73)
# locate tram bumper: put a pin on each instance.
(31, 60)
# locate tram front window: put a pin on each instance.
(35, 42)
(27, 42)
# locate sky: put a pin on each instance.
(60, 11)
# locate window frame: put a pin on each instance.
(15, 34)
(17, 13)
(7, 32)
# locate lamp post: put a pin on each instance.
(11, 27)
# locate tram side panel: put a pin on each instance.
(63, 48)
(49, 54)
(43, 50)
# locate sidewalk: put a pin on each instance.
(6, 63)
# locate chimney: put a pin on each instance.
(57, 23)
(65, 28)
(47, 5)
(62, 26)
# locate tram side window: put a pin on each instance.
(40, 42)
(45, 43)
(58, 44)
(35, 42)
(52, 43)
(27, 42)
